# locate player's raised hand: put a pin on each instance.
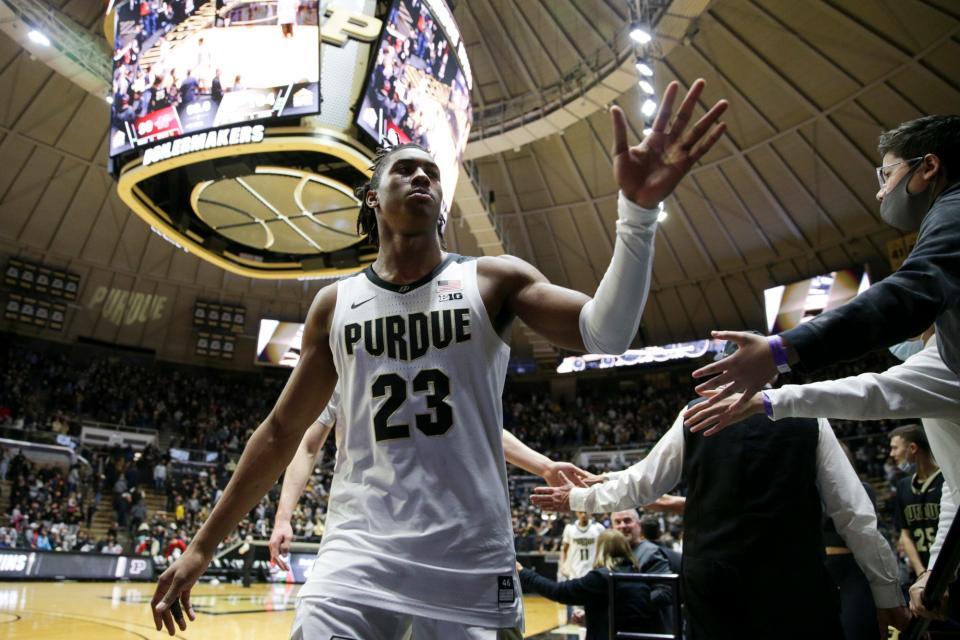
(172, 596)
(558, 473)
(280, 541)
(648, 172)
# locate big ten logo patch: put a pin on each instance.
(449, 290)
(123, 307)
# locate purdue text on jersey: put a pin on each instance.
(408, 337)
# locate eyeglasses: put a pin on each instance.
(883, 179)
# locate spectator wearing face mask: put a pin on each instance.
(919, 191)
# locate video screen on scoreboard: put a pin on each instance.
(419, 86)
(278, 343)
(790, 305)
(192, 65)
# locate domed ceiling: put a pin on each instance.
(789, 192)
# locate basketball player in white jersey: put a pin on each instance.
(578, 549)
(311, 447)
(578, 546)
(418, 537)
(296, 476)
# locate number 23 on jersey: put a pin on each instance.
(433, 383)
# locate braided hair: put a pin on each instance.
(367, 218)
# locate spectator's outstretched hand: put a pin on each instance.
(715, 417)
(559, 473)
(172, 596)
(667, 504)
(555, 498)
(648, 172)
(745, 372)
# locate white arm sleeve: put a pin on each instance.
(948, 511)
(642, 483)
(846, 502)
(609, 321)
(329, 415)
(942, 435)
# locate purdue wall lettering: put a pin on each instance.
(123, 307)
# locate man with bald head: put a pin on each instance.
(753, 546)
(650, 557)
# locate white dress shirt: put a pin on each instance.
(921, 387)
(843, 496)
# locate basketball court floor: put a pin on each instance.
(113, 611)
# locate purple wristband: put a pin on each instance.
(779, 353)
(767, 407)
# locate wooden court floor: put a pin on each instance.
(120, 611)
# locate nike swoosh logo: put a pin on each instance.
(357, 304)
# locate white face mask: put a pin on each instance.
(906, 349)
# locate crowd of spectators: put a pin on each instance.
(49, 507)
(49, 389)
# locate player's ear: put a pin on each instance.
(371, 199)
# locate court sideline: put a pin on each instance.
(119, 611)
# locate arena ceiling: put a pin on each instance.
(788, 192)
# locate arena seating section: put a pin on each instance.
(117, 500)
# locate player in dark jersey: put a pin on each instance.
(918, 513)
(918, 495)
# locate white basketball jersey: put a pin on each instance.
(582, 551)
(419, 518)
(329, 415)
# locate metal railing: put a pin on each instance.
(677, 618)
(473, 173)
(118, 427)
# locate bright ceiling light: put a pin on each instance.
(641, 35)
(647, 88)
(644, 68)
(38, 38)
(662, 215)
(649, 106)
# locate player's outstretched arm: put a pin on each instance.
(646, 174)
(266, 454)
(640, 484)
(520, 455)
(294, 481)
